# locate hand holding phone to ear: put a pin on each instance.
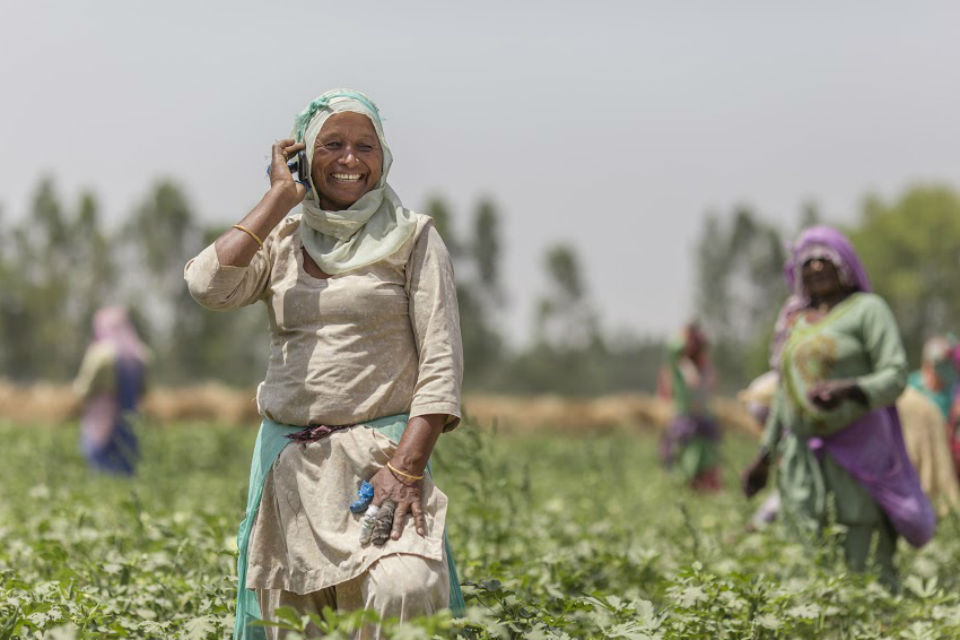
(293, 189)
(237, 246)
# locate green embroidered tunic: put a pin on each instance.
(858, 339)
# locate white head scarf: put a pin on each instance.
(373, 227)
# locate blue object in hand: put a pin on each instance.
(364, 496)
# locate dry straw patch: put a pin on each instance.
(37, 403)
(45, 403)
(212, 401)
(208, 401)
(629, 410)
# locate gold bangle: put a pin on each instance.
(249, 233)
(405, 475)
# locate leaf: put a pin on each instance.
(200, 628)
(65, 632)
(289, 615)
(767, 621)
(806, 611)
(491, 585)
(690, 597)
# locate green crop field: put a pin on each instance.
(556, 537)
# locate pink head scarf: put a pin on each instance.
(112, 324)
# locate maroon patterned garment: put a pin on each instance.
(316, 432)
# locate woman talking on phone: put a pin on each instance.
(363, 376)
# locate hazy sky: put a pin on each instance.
(610, 125)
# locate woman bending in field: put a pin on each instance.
(111, 381)
(363, 376)
(925, 409)
(833, 422)
(691, 440)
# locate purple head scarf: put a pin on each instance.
(825, 242)
(815, 242)
(871, 449)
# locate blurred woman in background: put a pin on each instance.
(834, 423)
(111, 382)
(690, 443)
(925, 410)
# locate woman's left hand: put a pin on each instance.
(829, 394)
(402, 489)
(386, 486)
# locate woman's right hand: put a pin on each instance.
(755, 476)
(281, 180)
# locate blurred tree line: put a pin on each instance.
(59, 263)
(568, 352)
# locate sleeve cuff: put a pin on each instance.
(881, 391)
(209, 282)
(451, 410)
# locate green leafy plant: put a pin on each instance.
(556, 537)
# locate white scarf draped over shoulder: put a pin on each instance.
(373, 227)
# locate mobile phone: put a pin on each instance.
(300, 175)
(299, 166)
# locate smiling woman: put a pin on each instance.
(364, 374)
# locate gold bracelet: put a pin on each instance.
(249, 233)
(405, 475)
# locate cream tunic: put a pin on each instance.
(305, 538)
(373, 342)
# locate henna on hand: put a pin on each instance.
(383, 523)
(404, 496)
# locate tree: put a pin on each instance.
(739, 291)
(476, 263)
(486, 250)
(569, 355)
(191, 342)
(911, 249)
(158, 238)
(57, 271)
(230, 346)
(438, 209)
(810, 215)
(96, 277)
(565, 318)
(9, 302)
(481, 298)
